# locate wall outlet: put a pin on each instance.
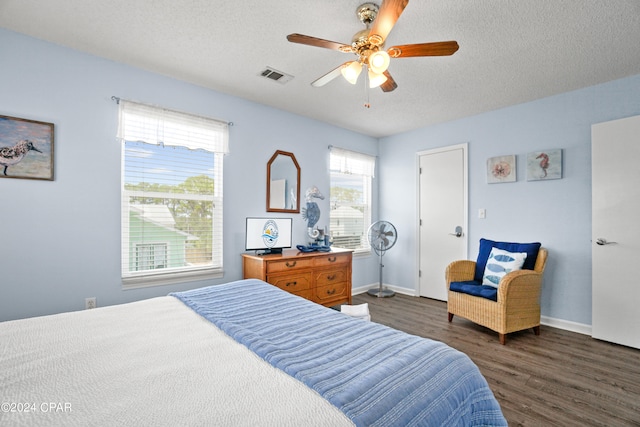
(90, 303)
(482, 213)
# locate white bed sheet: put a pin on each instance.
(152, 362)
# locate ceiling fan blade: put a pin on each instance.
(390, 84)
(424, 49)
(388, 14)
(329, 76)
(314, 41)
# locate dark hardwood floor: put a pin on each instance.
(559, 378)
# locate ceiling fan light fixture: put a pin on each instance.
(376, 79)
(352, 71)
(379, 61)
(368, 46)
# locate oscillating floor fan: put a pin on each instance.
(382, 235)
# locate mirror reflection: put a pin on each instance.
(283, 183)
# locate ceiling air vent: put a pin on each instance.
(275, 75)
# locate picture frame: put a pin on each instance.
(26, 149)
(501, 169)
(544, 165)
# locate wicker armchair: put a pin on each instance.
(518, 298)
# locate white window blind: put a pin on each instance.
(351, 162)
(155, 125)
(171, 195)
(351, 176)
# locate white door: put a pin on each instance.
(615, 156)
(443, 216)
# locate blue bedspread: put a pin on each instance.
(376, 375)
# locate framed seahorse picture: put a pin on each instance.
(26, 149)
(543, 165)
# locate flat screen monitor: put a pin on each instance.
(268, 235)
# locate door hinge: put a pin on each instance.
(420, 222)
(419, 273)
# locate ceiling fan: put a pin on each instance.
(368, 46)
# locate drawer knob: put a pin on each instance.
(332, 259)
(331, 277)
(331, 291)
(293, 264)
(291, 283)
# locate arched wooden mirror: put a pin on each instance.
(283, 183)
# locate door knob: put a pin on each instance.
(458, 232)
(600, 241)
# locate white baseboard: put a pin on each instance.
(566, 325)
(396, 289)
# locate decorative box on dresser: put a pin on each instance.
(322, 277)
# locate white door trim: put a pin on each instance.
(465, 150)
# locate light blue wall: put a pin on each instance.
(556, 213)
(59, 240)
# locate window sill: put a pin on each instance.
(169, 278)
(360, 252)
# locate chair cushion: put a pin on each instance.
(500, 263)
(476, 289)
(485, 249)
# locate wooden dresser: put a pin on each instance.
(322, 277)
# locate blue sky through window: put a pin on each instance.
(167, 165)
(348, 181)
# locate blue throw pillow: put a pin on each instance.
(485, 249)
(500, 263)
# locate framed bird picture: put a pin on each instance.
(26, 149)
(543, 165)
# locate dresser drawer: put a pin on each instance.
(337, 291)
(330, 259)
(322, 277)
(288, 265)
(306, 294)
(328, 277)
(292, 282)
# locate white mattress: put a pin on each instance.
(152, 362)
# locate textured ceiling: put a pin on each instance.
(510, 51)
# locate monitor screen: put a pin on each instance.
(268, 234)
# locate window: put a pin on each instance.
(171, 195)
(151, 257)
(350, 215)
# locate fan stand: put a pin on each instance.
(379, 292)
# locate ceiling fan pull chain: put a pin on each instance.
(366, 87)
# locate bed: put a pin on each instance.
(242, 353)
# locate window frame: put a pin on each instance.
(366, 172)
(133, 279)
